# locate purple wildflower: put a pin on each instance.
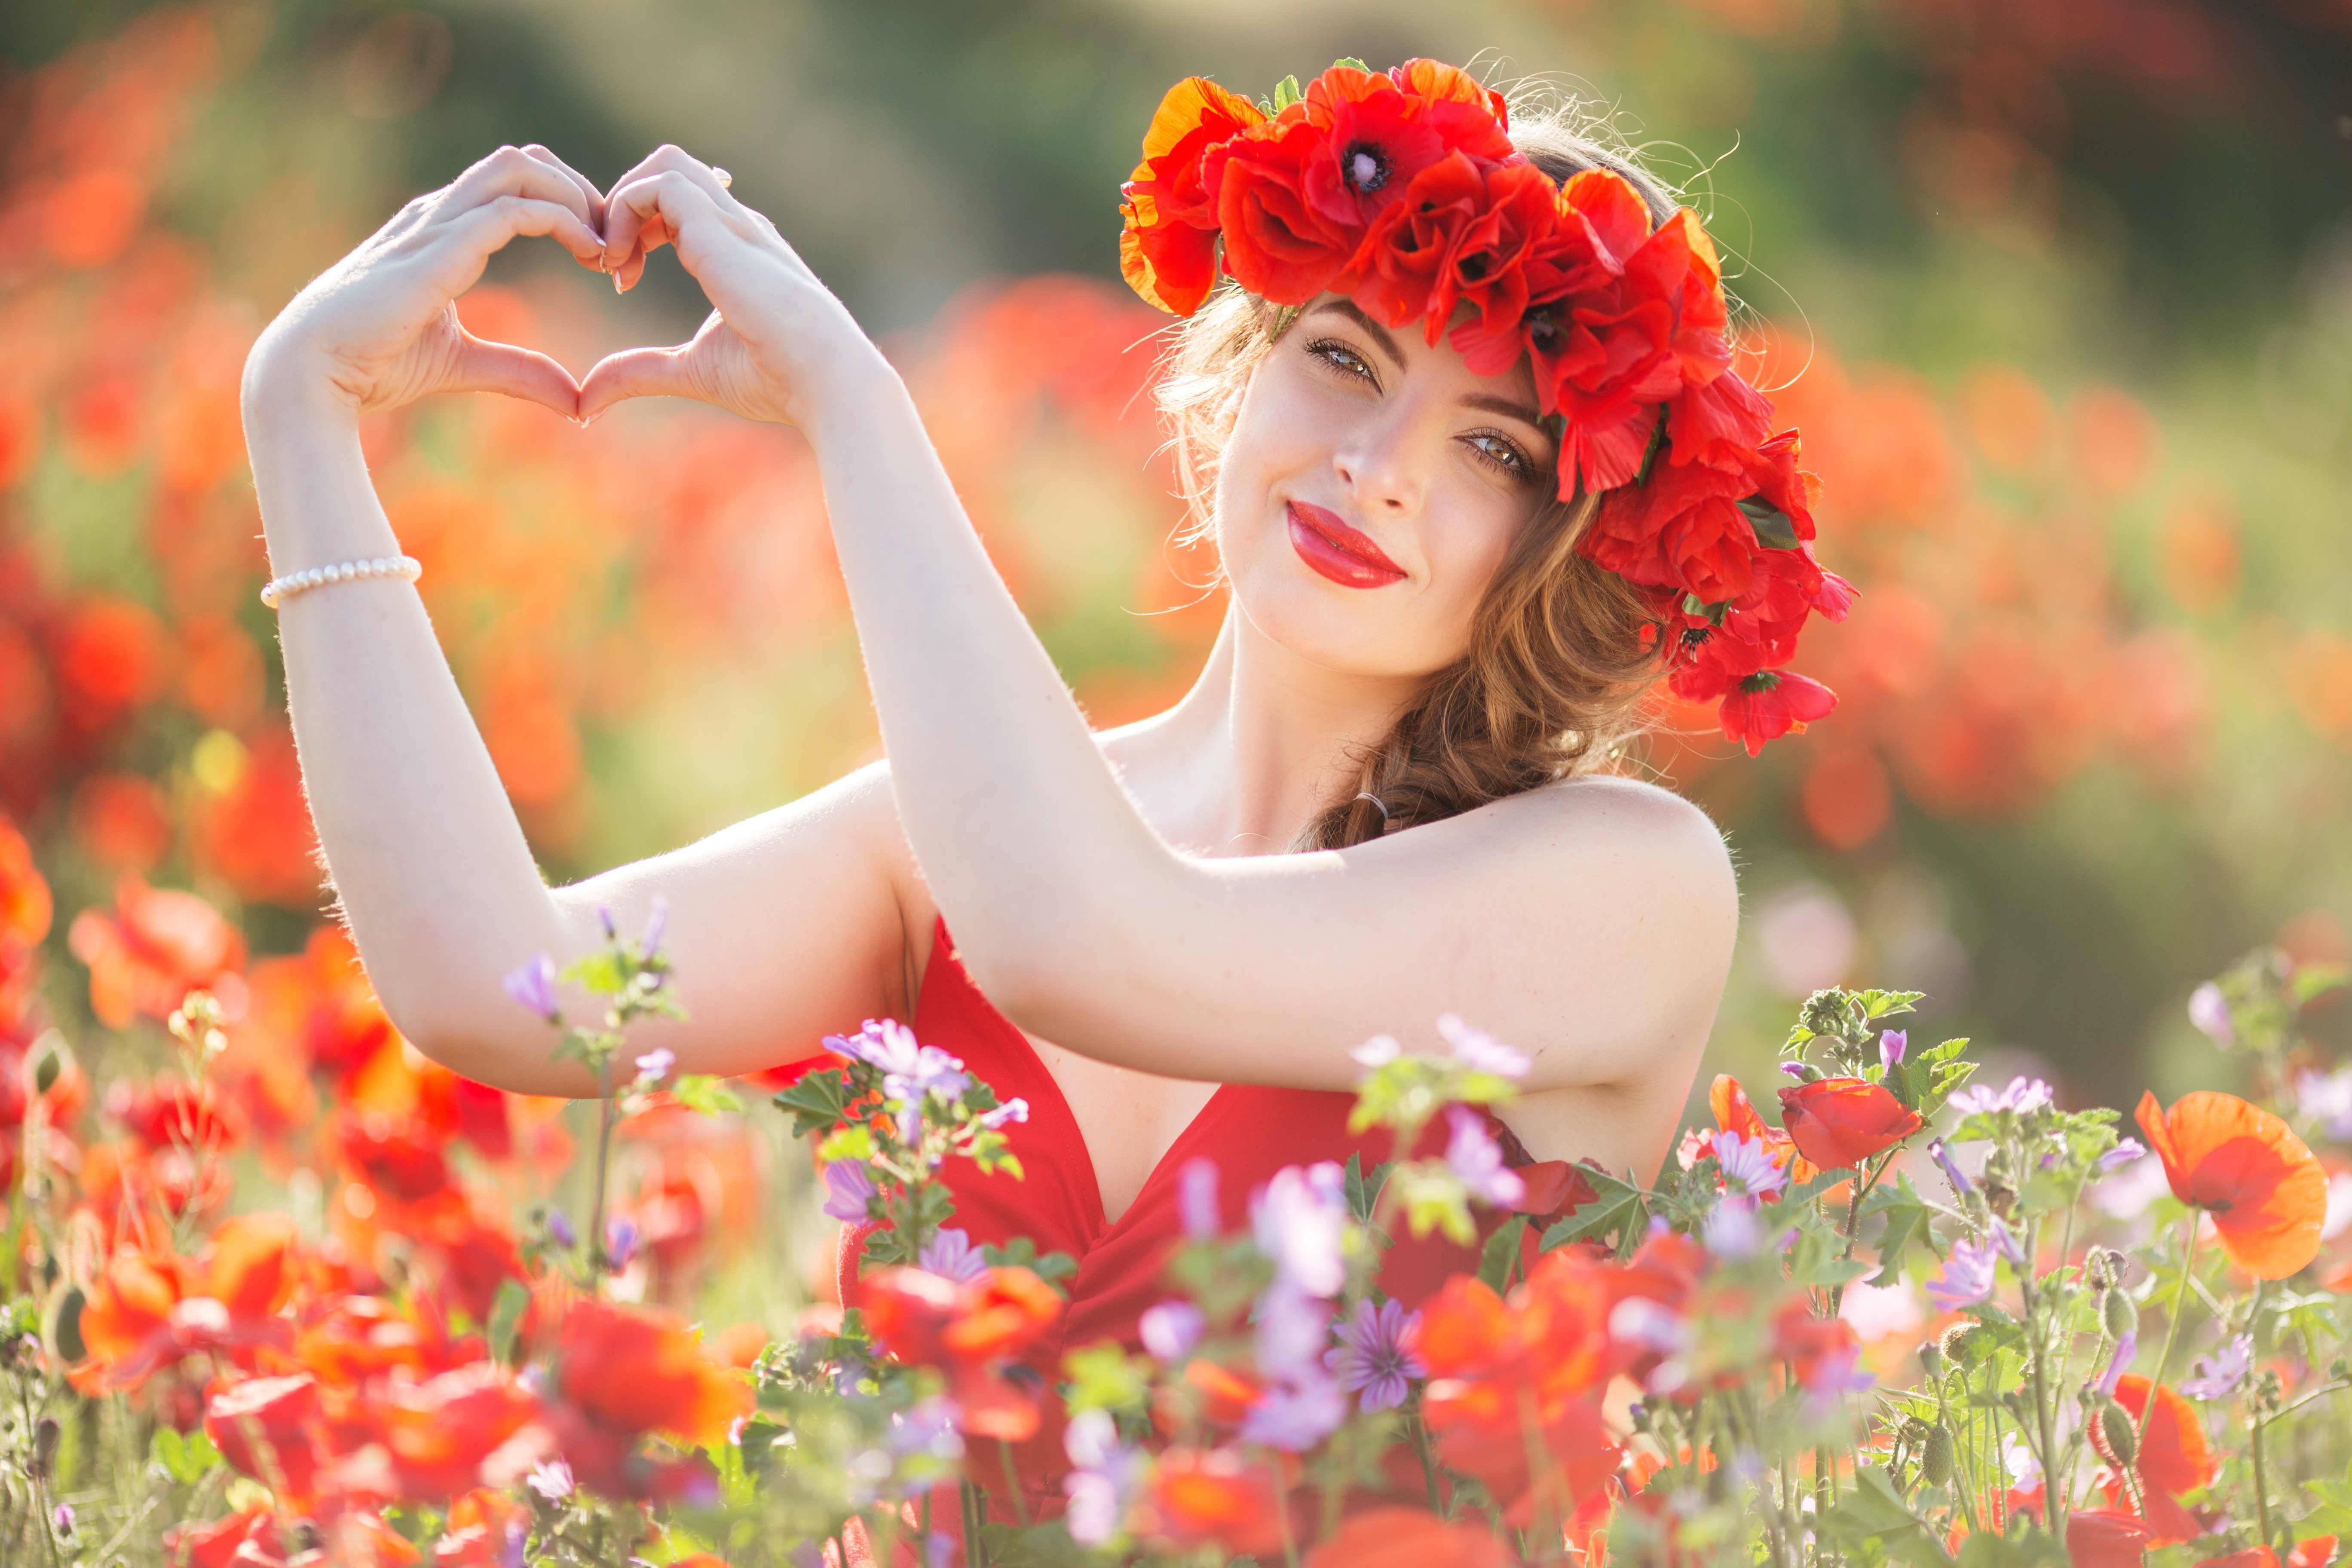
(2125, 1150)
(533, 984)
(620, 1243)
(1891, 1044)
(1171, 1329)
(2023, 1095)
(1797, 1070)
(911, 1070)
(1296, 1219)
(1293, 1327)
(1014, 1110)
(1371, 1355)
(1748, 1162)
(558, 1230)
(929, 1426)
(2217, 1376)
(2120, 1363)
(62, 1516)
(950, 1254)
(1961, 1185)
(1729, 1229)
(1653, 1325)
(1196, 1199)
(2324, 1099)
(1296, 1413)
(1104, 1477)
(552, 1479)
(2209, 1011)
(849, 1190)
(654, 1065)
(2011, 1247)
(1839, 1372)
(1478, 1159)
(939, 1550)
(1480, 1051)
(656, 924)
(1967, 1279)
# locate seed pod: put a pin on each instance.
(2120, 1312)
(1936, 1458)
(44, 1071)
(2116, 1426)
(45, 1448)
(1931, 1360)
(1959, 1343)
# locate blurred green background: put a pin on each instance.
(2061, 294)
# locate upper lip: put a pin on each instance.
(1348, 541)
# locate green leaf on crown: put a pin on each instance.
(1285, 93)
(1773, 529)
(1353, 63)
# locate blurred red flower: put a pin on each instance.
(263, 1427)
(148, 1308)
(1838, 1122)
(247, 1538)
(155, 946)
(2265, 1191)
(967, 1329)
(2105, 1537)
(2173, 1458)
(1167, 250)
(633, 1370)
(1410, 1538)
(1215, 1495)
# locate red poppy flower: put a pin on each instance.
(1200, 1495)
(1376, 139)
(1399, 266)
(401, 1158)
(2246, 1168)
(966, 1330)
(2105, 1537)
(1468, 115)
(635, 1370)
(2173, 1458)
(1488, 271)
(147, 1310)
(1770, 704)
(1599, 223)
(1278, 245)
(1720, 423)
(25, 913)
(168, 1113)
(437, 1434)
(263, 1427)
(157, 945)
(243, 1540)
(1838, 1122)
(1168, 252)
(481, 1526)
(1410, 1538)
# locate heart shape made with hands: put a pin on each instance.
(690, 369)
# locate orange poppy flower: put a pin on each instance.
(156, 946)
(2173, 1459)
(1839, 1123)
(643, 1369)
(481, 1523)
(966, 1330)
(148, 1310)
(1409, 1538)
(1200, 1496)
(1735, 1112)
(2244, 1166)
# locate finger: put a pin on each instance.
(638, 373)
(488, 227)
(668, 159)
(487, 366)
(512, 172)
(587, 187)
(671, 196)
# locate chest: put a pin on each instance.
(1127, 1119)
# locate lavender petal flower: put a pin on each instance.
(1104, 1477)
(2217, 1376)
(1371, 1359)
(1749, 1163)
(552, 1479)
(620, 1243)
(2120, 1363)
(1293, 1328)
(1014, 1110)
(1296, 1414)
(2023, 1095)
(1729, 1229)
(1478, 1159)
(532, 983)
(2209, 1011)
(1961, 1185)
(950, 1254)
(656, 1063)
(850, 1190)
(1891, 1044)
(1196, 1199)
(1480, 1051)
(558, 1230)
(656, 925)
(1296, 1218)
(1967, 1279)
(2324, 1099)
(2125, 1150)
(1171, 1329)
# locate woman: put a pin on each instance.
(1383, 802)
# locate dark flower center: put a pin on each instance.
(1366, 166)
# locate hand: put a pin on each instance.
(777, 341)
(379, 330)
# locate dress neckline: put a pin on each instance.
(943, 947)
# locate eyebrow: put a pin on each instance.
(1485, 402)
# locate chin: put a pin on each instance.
(1333, 629)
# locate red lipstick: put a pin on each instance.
(1346, 555)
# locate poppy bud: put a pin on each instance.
(1931, 1360)
(2120, 1312)
(2116, 1427)
(45, 1448)
(46, 1071)
(1936, 1458)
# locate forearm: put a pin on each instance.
(431, 866)
(1029, 844)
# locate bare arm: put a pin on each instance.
(1589, 924)
(433, 869)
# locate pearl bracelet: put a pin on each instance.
(279, 589)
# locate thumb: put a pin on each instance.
(638, 373)
(487, 366)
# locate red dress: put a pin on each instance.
(1249, 1132)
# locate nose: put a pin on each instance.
(1383, 467)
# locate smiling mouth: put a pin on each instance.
(1346, 555)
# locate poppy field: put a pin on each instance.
(281, 1290)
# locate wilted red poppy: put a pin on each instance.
(2245, 1167)
(1199, 1496)
(155, 946)
(1839, 1123)
(1410, 1538)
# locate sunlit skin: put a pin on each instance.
(1124, 898)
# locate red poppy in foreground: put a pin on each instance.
(147, 1310)
(1839, 1123)
(2105, 1537)
(1409, 1538)
(2173, 1458)
(2245, 1167)
(1199, 1496)
(965, 1330)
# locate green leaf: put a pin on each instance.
(705, 1094)
(1772, 527)
(1103, 1377)
(1906, 1226)
(1364, 1192)
(1285, 93)
(1875, 1513)
(1620, 1210)
(598, 973)
(818, 1103)
(1815, 1260)
(1053, 1267)
(506, 1317)
(1353, 63)
(185, 1458)
(2032, 1548)
(1500, 1255)
(1033, 1546)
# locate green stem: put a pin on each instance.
(1012, 1482)
(596, 1248)
(2037, 1351)
(1428, 1461)
(2172, 1329)
(1281, 1513)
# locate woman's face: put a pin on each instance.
(1370, 490)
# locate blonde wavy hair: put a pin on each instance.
(1552, 683)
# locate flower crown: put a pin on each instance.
(1400, 190)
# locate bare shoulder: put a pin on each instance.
(1624, 826)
